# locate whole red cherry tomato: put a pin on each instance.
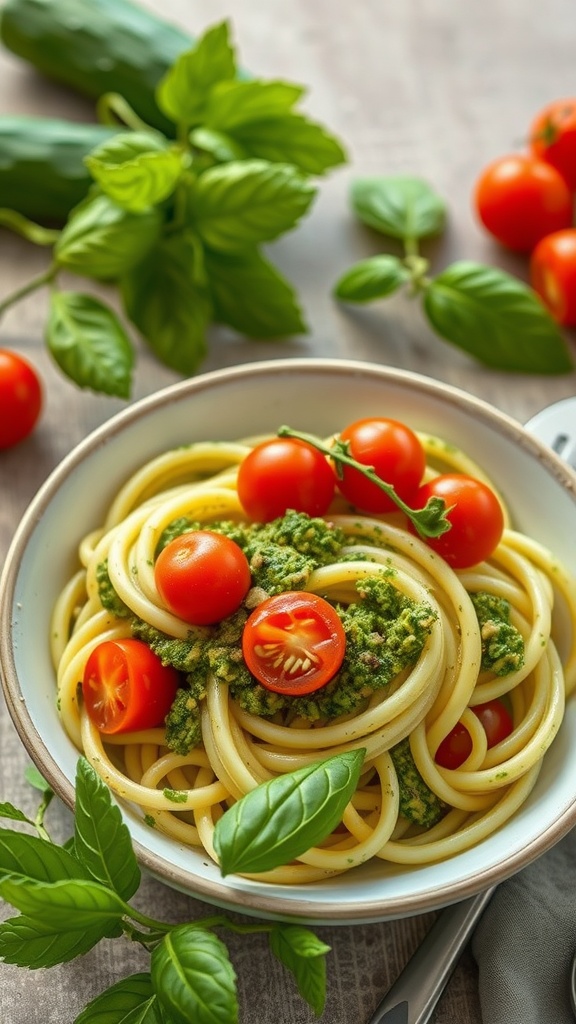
(20, 398)
(202, 577)
(475, 516)
(553, 137)
(395, 453)
(126, 687)
(520, 199)
(457, 745)
(285, 473)
(553, 274)
(294, 643)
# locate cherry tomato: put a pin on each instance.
(553, 137)
(475, 515)
(20, 398)
(294, 643)
(202, 577)
(520, 199)
(457, 745)
(553, 274)
(285, 473)
(126, 687)
(393, 451)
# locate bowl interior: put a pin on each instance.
(319, 396)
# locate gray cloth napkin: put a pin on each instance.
(525, 942)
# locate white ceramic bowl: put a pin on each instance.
(319, 396)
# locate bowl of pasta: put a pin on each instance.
(314, 629)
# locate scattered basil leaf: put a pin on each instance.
(193, 978)
(84, 903)
(7, 810)
(168, 303)
(32, 859)
(102, 240)
(401, 207)
(232, 104)
(302, 952)
(136, 170)
(34, 778)
(89, 343)
(290, 138)
(496, 318)
(34, 943)
(101, 839)
(130, 1001)
(184, 91)
(251, 296)
(248, 201)
(281, 819)
(219, 145)
(372, 278)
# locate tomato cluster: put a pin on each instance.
(20, 398)
(526, 201)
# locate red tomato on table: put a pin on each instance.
(553, 137)
(20, 398)
(553, 274)
(294, 643)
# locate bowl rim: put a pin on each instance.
(220, 893)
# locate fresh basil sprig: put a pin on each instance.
(70, 897)
(429, 521)
(176, 224)
(486, 312)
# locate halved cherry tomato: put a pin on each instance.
(20, 398)
(285, 473)
(202, 577)
(553, 274)
(475, 516)
(457, 745)
(553, 137)
(395, 453)
(126, 687)
(294, 643)
(520, 199)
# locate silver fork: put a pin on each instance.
(414, 995)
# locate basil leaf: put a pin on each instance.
(89, 343)
(185, 89)
(281, 819)
(7, 810)
(372, 278)
(193, 978)
(169, 305)
(404, 208)
(33, 859)
(74, 903)
(129, 1001)
(292, 139)
(27, 943)
(302, 952)
(137, 170)
(237, 103)
(101, 839)
(218, 144)
(251, 296)
(495, 318)
(248, 201)
(34, 778)
(102, 240)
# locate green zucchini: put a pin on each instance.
(42, 171)
(96, 46)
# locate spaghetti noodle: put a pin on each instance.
(183, 794)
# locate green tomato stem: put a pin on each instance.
(429, 521)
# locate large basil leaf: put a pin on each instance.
(372, 278)
(290, 138)
(136, 170)
(27, 942)
(89, 343)
(251, 295)
(281, 819)
(245, 202)
(185, 89)
(496, 318)
(193, 978)
(401, 207)
(130, 1001)
(102, 240)
(232, 104)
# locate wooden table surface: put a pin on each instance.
(434, 88)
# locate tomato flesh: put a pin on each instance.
(20, 398)
(475, 516)
(126, 687)
(294, 643)
(285, 473)
(553, 274)
(202, 577)
(395, 453)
